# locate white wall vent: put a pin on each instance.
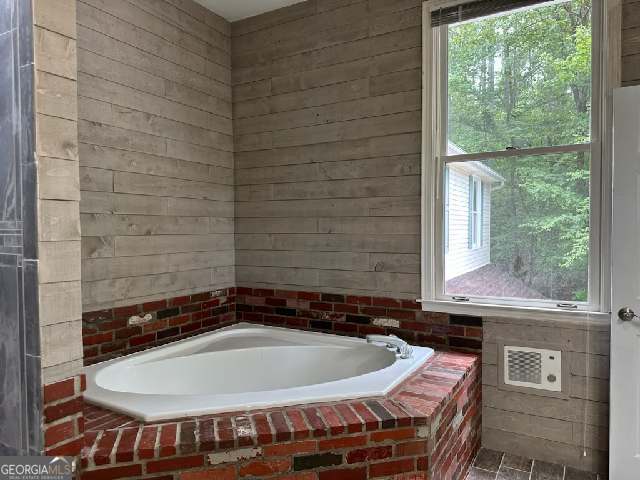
(533, 368)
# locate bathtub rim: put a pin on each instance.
(154, 407)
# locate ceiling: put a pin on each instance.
(234, 10)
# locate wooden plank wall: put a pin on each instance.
(156, 150)
(327, 136)
(631, 42)
(572, 430)
(60, 307)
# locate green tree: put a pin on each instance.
(524, 80)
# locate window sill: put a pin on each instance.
(522, 313)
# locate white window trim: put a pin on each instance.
(606, 74)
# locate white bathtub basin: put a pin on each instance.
(245, 366)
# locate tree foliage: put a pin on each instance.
(524, 80)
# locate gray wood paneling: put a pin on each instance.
(56, 146)
(529, 418)
(326, 100)
(327, 154)
(156, 150)
(630, 42)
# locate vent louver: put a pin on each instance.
(525, 366)
(533, 368)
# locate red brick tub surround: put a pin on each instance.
(358, 315)
(106, 333)
(428, 428)
(63, 421)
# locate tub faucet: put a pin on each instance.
(391, 341)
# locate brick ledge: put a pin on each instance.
(112, 438)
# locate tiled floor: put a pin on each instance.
(492, 465)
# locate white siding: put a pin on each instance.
(460, 258)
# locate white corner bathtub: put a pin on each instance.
(244, 367)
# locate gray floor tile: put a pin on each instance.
(573, 474)
(488, 460)
(516, 462)
(493, 465)
(512, 474)
(546, 471)
(479, 474)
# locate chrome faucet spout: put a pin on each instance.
(391, 341)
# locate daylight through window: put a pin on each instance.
(516, 143)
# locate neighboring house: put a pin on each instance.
(467, 191)
(467, 214)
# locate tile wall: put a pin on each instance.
(20, 394)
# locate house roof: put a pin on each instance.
(491, 281)
(474, 167)
(453, 149)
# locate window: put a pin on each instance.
(513, 135)
(445, 195)
(475, 212)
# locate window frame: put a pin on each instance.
(605, 74)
